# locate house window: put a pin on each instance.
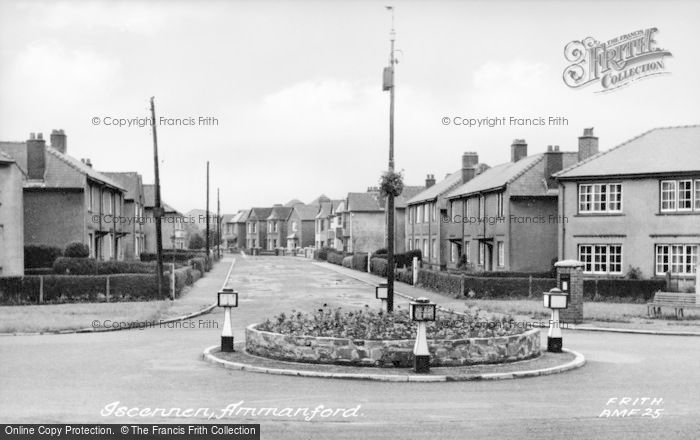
(482, 251)
(294, 226)
(275, 223)
(601, 259)
(680, 195)
(466, 251)
(434, 210)
(417, 246)
(434, 249)
(419, 213)
(454, 251)
(107, 203)
(426, 254)
(600, 197)
(482, 209)
(426, 213)
(500, 204)
(91, 245)
(679, 259)
(501, 254)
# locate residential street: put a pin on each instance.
(70, 378)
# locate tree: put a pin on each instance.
(196, 241)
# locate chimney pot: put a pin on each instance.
(59, 141)
(88, 163)
(549, 148)
(556, 148)
(518, 150)
(32, 136)
(587, 144)
(40, 136)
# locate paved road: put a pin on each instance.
(71, 378)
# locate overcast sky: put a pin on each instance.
(296, 88)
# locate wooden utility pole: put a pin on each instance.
(390, 197)
(218, 225)
(207, 210)
(157, 209)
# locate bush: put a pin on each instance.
(615, 290)
(40, 255)
(181, 256)
(134, 287)
(378, 266)
(335, 258)
(359, 261)
(75, 266)
(323, 253)
(404, 275)
(484, 287)
(19, 290)
(77, 250)
(378, 252)
(411, 254)
(90, 266)
(198, 263)
(347, 262)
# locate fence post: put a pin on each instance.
(529, 286)
(172, 280)
(41, 289)
(414, 267)
(369, 262)
(107, 289)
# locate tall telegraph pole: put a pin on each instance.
(157, 209)
(207, 213)
(390, 85)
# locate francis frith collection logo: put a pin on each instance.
(614, 63)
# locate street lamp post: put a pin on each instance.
(555, 299)
(422, 311)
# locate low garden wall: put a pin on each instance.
(391, 353)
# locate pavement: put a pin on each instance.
(78, 377)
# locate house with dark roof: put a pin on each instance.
(277, 227)
(134, 213)
(256, 227)
(423, 225)
(636, 205)
(172, 223)
(363, 221)
(506, 218)
(234, 229)
(300, 226)
(324, 236)
(66, 200)
(11, 217)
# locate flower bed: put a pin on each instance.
(374, 339)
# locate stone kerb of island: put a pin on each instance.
(391, 353)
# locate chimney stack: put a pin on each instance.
(470, 159)
(429, 180)
(58, 140)
(518, 150)
(36, 157)
(553, 163)
(88, 163)
(587, 144)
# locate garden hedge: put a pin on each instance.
(335, 258)
(40, 255)
(378, 266)
(90, 266)
(347, 261)
(616, 289)
(359, 261)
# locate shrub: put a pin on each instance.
(359, 261)
(40, 255)
(404, 275)
(634, 273)
(198, 263)
(131, 287)
(630, 290)
(77, 250)
(484, 287)
(179, 256)
(19, 290)
(75, 266)
(413, 253)
(378, 266)
(90, 266)
(381, 251)
(335, 258)
(347, 262)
